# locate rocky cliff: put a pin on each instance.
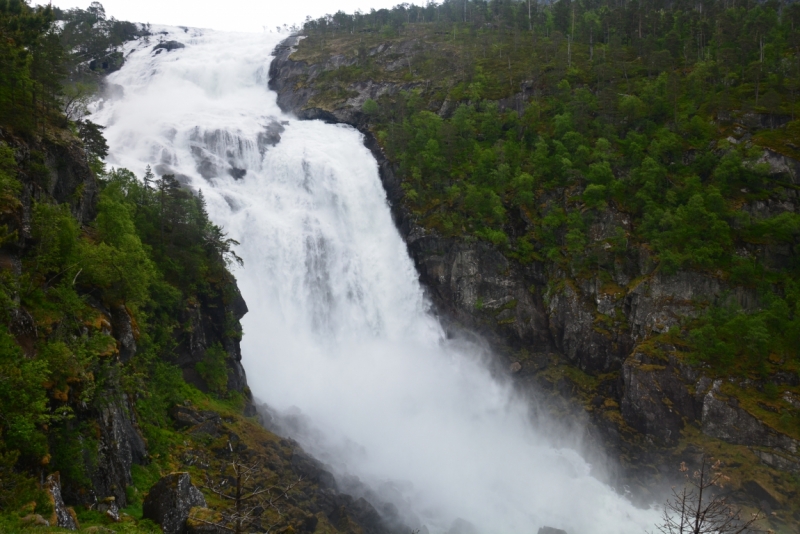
(108, 458)
(583, 347)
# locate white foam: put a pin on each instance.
(338, 326)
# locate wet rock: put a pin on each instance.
(551, 530)
(210, 323)
(760, 494)
(311, 469)
(169, 46)
(125, 332)
(207, 164)
(237, 174)
(62, 516)
(270, 137)
(349, 514)
(724, 419)
(170, 500)
(656, 399)
(120, 446)
(71, 182)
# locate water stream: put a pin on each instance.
(339, 330)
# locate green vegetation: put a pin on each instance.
(528, 124)
(148, 254)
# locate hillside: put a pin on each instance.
(609, 194)
(119, 317)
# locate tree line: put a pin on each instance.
(150, 253)
(527, 123)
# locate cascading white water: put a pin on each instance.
(338, 326)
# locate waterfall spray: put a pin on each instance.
(339, 329)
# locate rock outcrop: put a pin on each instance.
(62, 516)
(55, 169)
(170, 500)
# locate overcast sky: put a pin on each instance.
(238, 15)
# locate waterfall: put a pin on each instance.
(339, 331)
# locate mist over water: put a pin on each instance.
(339, 329)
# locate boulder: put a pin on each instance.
(169, 46)
(170, 500)
(551, 530)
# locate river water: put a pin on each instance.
(339, 334)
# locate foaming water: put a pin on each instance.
(338, 327)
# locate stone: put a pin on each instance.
(170, 500)
(169, 46)
(551, 530)
(35, 520)
(185, 417)
(61, 514)
(516, 367)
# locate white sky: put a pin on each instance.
(236, 15)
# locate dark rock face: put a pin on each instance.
(68, 180)
(169, 501)
(311, 469)
(270, 137)
(125, 333)
(722, 418)
(656, 399)
(211, 322)
(71, 181)
(119, 447)
(64, 517)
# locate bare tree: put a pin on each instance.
(247, 496)
(699, 508)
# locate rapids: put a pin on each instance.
(339, 329)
